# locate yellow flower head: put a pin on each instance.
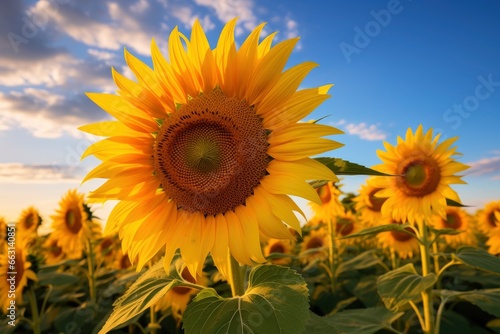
(330, 203)
(423, 171)
(404, 244)
(369, 205)
(53, 253)
(493, 242)
(345, 225)
(14, 282)
(283, 246)
(72, 226)
(456, 218)
(489, 218)
(313, 246)
(206, 148)
(27, 224)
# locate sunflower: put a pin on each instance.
(178, 297)
(281, 246)
(27, 224)
(369, 205)
(121, 261)
(456, 218)
(14, 277)
(53, 253)
(423, 171)
(489, 218)
(404, 244)
(105, 250)
(207, 148)
(313, 245)
(72, 224)
(330, 203)
(493, 242)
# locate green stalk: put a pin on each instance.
(237, 277)
(91, 272)
(436, 262)
(425, 256)
(332, 254)
(35, 324)
(153, 324)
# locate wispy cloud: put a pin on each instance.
(487, 166)
(15, 172)
(363, 130)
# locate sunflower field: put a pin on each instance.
(202, 155)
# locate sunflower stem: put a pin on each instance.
(35, 324)
(91, 272)
(393, 259)
(332, 254)
(153, 324)
(425, 255)
(435, 257)
(237, 277)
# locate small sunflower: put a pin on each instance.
(330, 203)
(313, 245)
(207, 148)
(493, 242)
(105, 250)
(345, 225)
(27, 224)
(369, 205)
(121, 261)
(423, 171)
(456, 218)
(282, 246)
(53, 253)
(72, 224)
(14, 277)
(489, 218)
(404, 244)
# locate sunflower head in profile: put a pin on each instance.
(405, 244)
(206, 148)
(457, 219)
(121, 261)
(369, 205)
(52, 251)
(27, 224)
(280, 246)
(488, 220)
(22, 268)
(105, 250)
(313, 245)
(422, 170)
(493, 242)
(330, 203)
(72, 224)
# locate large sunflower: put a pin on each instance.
(488, 219)
(27, 224)
(206, 148)
(456, 218)
(71, 224)
(14, 277)
(423, 171)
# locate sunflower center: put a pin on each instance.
(29, 220)
(492, 219)
(55, 250)
(402, 236)
(344, 226)
(453, 221)
(314, 242)
(181, 290)
(418, 175)
(324, 194)
(277, 248)
(211, 153)
(125, 262)
(73, 220)
(106, 246)
(375, 203)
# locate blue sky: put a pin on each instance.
(395, 64)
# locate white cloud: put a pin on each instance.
(101, 55)
(15, 172)
(362, 130)
(226, 10)
(486, 166)
(187, 17)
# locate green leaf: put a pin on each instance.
(451, 202)
(344, 167)
(317, 325)
(380, 229)
(446, 231)
(362, 321)
(361, 261)
(276, 301)
(402, 285)
(479, 259)
(487, 299)
(143, 294)
(57, 279)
